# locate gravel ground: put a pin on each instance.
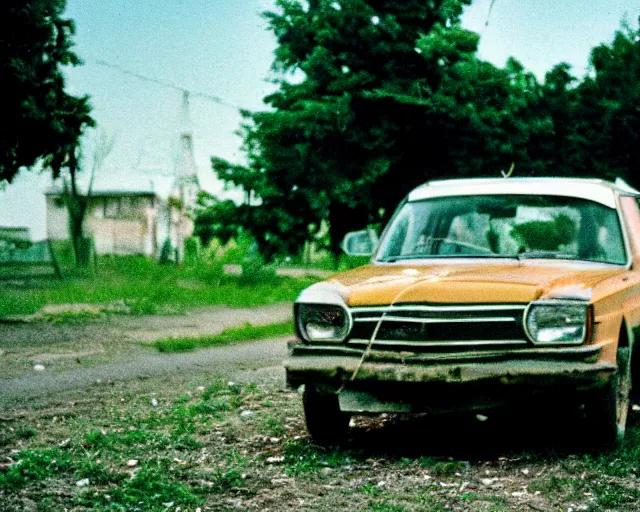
(112, 348)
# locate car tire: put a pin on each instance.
(608, 408)
(326, 423)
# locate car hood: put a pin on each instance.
(469, 283)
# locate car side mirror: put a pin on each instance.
(360, 243)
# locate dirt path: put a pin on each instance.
(242, 358)
(112, 349)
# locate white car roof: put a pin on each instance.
(599, 191)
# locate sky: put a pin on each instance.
(221, 48)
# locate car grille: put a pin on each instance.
(439, 326)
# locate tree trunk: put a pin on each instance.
(77, 208)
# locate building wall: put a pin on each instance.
(125, 224)
(119, 236)
(57, 219)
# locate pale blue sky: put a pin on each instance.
(221, 47)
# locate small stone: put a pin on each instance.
(82, 483)
(381, 483)
(200, 388)
(481, 417)
(635, 407)
(524, 471)
(246, 414)
(154, 402)
(132, 463)
(39, 367)
(487, 481)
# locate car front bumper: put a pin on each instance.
(388, 381)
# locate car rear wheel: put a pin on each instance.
(608, 409)
(326, 423)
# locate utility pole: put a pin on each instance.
(186, 177)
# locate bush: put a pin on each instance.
(192, 250)
(255, 272)
(166, 253)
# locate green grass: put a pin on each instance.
(165, 442)
(245, 333)
(146, 287)
(196, 449)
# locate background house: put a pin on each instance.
(133, 218)
(125, 221)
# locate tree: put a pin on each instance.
(386, 95)
(608, 123)
(76, 201)
(391, 95)
(41, 122)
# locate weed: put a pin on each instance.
(244, 333)
(385, 506)
(303, 457)
(70, 317)
(35, 465)
(371, 490)
(145, 287)
(148, 486)
(273, 425)
(442, 468)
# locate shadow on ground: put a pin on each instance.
(543, 430)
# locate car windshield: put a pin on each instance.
(505, 226)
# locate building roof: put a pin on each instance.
(110, 193)
(14, 228)
(600, 191)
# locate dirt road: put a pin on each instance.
(113, 349)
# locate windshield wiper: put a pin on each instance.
(393, 259)
(545, 255)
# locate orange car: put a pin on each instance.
(478, 291)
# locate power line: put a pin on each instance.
(486, 24)
(171, 85)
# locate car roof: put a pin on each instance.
(600, 191)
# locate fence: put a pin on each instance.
(19, 260)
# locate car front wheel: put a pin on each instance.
(608, 409)
(326, 423)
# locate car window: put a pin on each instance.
(506, 226)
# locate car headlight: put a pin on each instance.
(558, 322)
(323, 322)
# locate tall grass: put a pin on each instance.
(145, 286)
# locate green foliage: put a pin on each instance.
(40, 120)
(383, 106)
(255, 273)
(392, 94)
(137, 285)
(166, 253)
(302, 457)
(545, 235)
(192, 251)
(35, 465)
(245, 333)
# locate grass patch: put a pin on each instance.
(165, 442)
(302, 457)
(146, 287)
(245, 333)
